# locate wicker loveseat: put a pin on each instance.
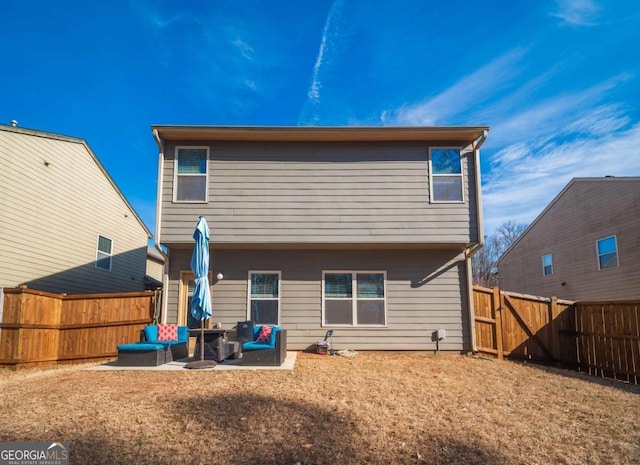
(153, 349)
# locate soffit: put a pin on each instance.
(317, 134)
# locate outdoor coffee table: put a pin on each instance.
(216, 344)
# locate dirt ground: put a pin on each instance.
(376, 408)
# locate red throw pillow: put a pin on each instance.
(265, 334)
(167, 332)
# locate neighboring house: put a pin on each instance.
(155, 264)
(65, 226)
(366, 231)
(585, 245)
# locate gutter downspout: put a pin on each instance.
(471, 251)
(156, 238)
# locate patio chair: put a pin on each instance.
(272, 352)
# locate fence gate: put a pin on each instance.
(520, 326)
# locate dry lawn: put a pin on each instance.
(378, 408)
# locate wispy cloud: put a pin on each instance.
(606, 119)
(526, 176)
(160, 22)
(557, 114)
(330, 33)
(246, 50)
(471, 90)
(578, 12)
(228, 54)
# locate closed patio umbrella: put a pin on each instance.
(201, 300)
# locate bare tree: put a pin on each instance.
(508, 233)
(485, 262)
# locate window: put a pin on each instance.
(264, 297)
(354, 298)
(104, 252)
(191, 174)
(607, 253)
(547, 265)
(445, 175)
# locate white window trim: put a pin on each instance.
(99, 251)
(175, 174)
(543, 267)
(431, 175)
(615, 240)
(354, 298)
(279, 273)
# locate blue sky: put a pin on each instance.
(558, 81)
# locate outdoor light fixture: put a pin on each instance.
(219, 276)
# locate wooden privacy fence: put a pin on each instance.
(607, 339)
(40, 328)
(601, 338)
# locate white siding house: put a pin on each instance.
(64, 224)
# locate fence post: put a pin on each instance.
(553, 334)
(497, 308)
(19, 321)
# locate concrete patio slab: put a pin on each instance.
(179, 365)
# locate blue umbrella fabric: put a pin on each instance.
(201, 300)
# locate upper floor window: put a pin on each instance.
(191, 174)
(607, 253)
(264, 297)
(547, 265)
(104, 252)
(354, 298)
(445, 174)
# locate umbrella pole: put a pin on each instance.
(202, 339)
(202, 363)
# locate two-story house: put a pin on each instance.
(367, 231)
(585, 245)
(65, 226)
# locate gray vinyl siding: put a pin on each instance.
(425, 292)
(588, 210)
(332, 192)
(50, 218)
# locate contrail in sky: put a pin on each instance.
(313, 95)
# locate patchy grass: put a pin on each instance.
(377, 408)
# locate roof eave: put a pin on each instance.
(322, 133)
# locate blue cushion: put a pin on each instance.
(183, 333)
(141, 346)
(151, 332)
(257, 345)
(253, 345)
